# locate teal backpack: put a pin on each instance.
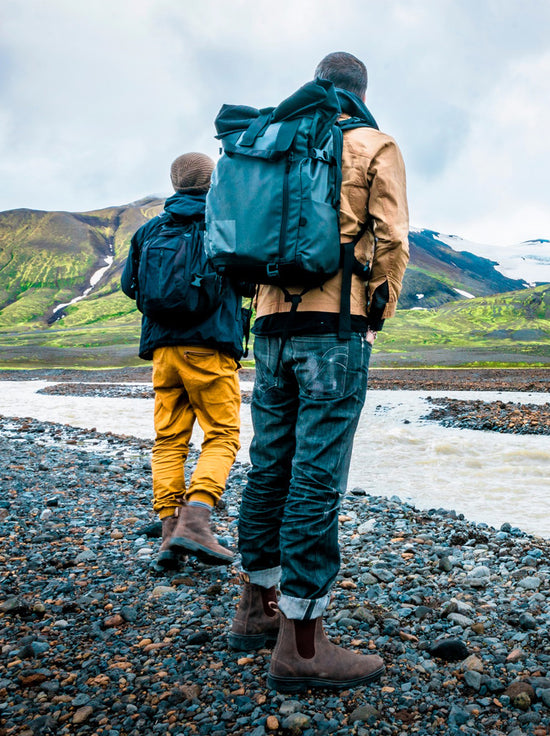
(273, 208)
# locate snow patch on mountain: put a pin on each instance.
(528, 261)
(465, 294)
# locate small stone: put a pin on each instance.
(296, 723)
(199, 637)
(161, 590)
(421, 612)
(289, 706)
(460, 620)
(545, 697)
(80, 699)
(129, 613)
(515, 655)
(530, 583)
(368, 579)
(13, 605)
(522, 701)
(32, 679)
(527, 621)
(112, 622)
(450, 650)
(383, 574)
(85, 556)
(472, 679)
(365, 713)
(348, 584)
(82, 714)
(445, 565)
(272, 723)
(472, 663)
(459, 715)
(366, 527)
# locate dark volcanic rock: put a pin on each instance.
(94, 641)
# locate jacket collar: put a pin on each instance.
(353, 106)
(186, 205)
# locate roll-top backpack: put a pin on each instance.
(175, 281)
(273, 208)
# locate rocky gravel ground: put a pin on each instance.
(94, 641)
(496, 416)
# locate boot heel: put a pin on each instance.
(247, 642)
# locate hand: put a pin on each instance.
(371, 336)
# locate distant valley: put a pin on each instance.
(61, 304)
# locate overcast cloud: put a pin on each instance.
(97, 98)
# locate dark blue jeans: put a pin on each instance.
(304, 419)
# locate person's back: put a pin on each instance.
(309, 391)
(195, 367)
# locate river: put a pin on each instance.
(489, 477)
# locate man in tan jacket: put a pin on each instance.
(305, 408)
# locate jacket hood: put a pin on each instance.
(186, 205)
(355, 107)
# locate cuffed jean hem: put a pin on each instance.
(302, 608)
(265, 578)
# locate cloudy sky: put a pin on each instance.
(97, 98)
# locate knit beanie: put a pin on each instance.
(191, 171)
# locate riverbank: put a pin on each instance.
(418, 379)
(95, 642)
(497, 416)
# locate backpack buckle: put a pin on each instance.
(273, 270)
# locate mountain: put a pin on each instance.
(48, 259)
(439, 273)
(61, 303)
(506, 329)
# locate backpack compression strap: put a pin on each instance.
(350, 265)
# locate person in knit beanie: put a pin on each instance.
(195, 362)
(191, 172)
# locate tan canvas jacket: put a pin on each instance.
(373, 187)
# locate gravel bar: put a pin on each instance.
(94, 641)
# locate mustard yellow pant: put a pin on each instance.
(193, 383)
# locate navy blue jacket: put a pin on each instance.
(223, 330)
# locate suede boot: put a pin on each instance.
(167, 559)
(193, 535)
(303, 657)
(256, 622)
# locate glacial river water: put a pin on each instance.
(486, 476)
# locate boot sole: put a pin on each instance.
(251, 642)
(299, 684)
(182, 545)
(168, 560)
